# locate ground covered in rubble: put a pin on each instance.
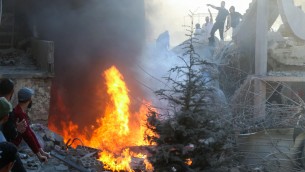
(63, 158)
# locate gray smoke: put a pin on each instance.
(89, 36)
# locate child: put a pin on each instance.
(25, 102)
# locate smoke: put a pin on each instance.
(171, 15)
(166, 15)
(89, 36)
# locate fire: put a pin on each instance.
(188, 162)
(115, 132)
(119, 95)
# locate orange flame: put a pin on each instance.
(115, 132)
(188, 162)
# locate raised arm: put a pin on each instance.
(211, 17)
(209, 5)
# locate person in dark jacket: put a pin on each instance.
(220, 21)
(233, 19)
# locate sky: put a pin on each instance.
(171, 15)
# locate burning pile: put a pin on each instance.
(115, 132)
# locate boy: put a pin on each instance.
(24, 103)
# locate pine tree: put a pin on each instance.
(196, 137)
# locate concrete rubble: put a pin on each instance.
(63, 159)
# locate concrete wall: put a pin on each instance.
(41, 100)
(43, 53)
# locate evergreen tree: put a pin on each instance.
(197, 136)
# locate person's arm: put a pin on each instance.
(27, 135)
(211, 17)
(21, 125)
(210, 5)
(35, 146)
(31, 140)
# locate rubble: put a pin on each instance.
(64, 158)
(62, 168)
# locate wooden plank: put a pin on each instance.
(284, 78)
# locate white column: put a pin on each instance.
(261, 37)
(261, 57)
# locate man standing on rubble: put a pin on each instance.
(233, 19)
(207, 26)
(220, 22)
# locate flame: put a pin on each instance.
(115, 132)
(119, 95)
(188, 162)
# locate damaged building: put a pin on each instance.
(266, 92)
(26, 59)
(44, 46)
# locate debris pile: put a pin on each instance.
(64, 157)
